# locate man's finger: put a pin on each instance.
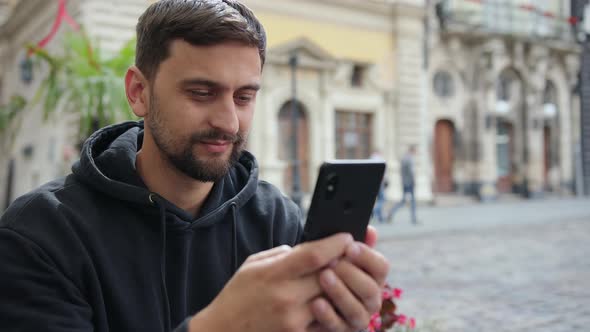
(371, 237)
(311, 256)
(307, 288)
(326, 318)
(369, 260)
(276, 251)
(351, 309)
(360, 283)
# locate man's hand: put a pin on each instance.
(272, 290)
(353, 285)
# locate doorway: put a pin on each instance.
(444, 156)
(504, 156)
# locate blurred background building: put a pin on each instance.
(488, 91)
(504, 107)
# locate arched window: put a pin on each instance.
(443, 84)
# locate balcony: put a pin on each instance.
(503, 18)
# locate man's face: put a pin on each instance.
(201, 106)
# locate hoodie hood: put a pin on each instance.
(107, 164)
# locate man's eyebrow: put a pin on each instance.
(216, 85)
(200, 81)
(254, 87)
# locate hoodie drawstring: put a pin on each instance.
(154, 200)
(234, 208)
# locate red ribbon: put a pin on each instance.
(62, 14)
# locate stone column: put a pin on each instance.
(486, 169)
(539, 61)
(411, 116)
(535, 165)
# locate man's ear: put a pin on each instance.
(136, 88)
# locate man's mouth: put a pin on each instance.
(216, 146)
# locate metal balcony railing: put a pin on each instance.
(505, 18)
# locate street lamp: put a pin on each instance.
(296, 194)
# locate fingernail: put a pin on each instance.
(329, 277)
(353, 250)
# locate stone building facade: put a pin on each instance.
(504, 117)
(489, 111)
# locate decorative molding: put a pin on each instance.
(409, 11)
(310, 55)
(362, 14)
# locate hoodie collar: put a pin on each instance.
(107, 164)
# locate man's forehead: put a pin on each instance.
(182, 48)
(229, 60)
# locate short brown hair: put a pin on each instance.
(198, 22)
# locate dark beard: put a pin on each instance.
(185, 160)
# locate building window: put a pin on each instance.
(504, 89)
(443, 84)
(550, 101)
(550, 93)
(358, 76)
(507, 86)
(353, 135)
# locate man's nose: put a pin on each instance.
(224, 116)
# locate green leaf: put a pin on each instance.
(80, 80)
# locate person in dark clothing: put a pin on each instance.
(408, 183)
(163, 224)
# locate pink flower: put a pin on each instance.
(386, 295)
(375, 323)
(401, 319)
(412, 323)
(397, 293)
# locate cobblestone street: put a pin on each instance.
(527, 271)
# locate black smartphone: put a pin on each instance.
(343, 199)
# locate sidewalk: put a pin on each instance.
(485, 215)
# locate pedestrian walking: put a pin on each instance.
(408, 184)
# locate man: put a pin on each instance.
(164, 225)
(407, 177)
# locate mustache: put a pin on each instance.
(215, 134)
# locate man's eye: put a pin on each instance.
(201, 93)
(244, 98)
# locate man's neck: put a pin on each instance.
(164, 179)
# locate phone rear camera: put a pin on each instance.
(331, 186)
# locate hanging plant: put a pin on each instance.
(81, 81)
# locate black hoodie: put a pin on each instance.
(97, 251)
